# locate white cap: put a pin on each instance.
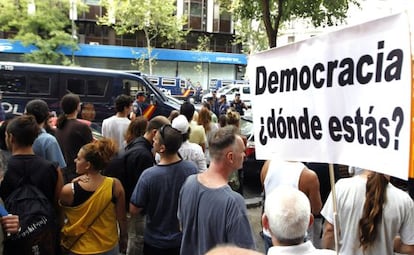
(180, 123)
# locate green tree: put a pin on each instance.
(251, 35)
(155, 18)
(273, 13)
(42, 23)
(203, 45)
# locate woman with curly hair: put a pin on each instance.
(94, 205)
(374, 216)
(205, 120)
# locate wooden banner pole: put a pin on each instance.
(335, 208)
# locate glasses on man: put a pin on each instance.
(162, 131)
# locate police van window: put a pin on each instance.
(134, 86)
(232, 91)
(246, 90)
(226, 83)
(168, 82)
(98, 87)
(126, 87)
(76, 86)
(183, 84)
(13, 83)
(213, 83)
(153, 80)
(40, 85)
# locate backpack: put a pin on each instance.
(117, 168)
(38, 232)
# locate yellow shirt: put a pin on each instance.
(102, 235)
(197, 134)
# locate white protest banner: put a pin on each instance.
(343, 97)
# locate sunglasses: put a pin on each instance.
(162, 131)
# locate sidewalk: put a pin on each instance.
(254, 210)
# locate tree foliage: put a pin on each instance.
(156, 18)
(202, 45)
(45, 25)
(251, 35)
(273, 13)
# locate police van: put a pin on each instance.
(97, 89)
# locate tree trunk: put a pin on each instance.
(149, 51)
(271, 29)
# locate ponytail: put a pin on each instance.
(61, 121)
(373, 208)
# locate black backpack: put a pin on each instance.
(118, 168)
(38, 233)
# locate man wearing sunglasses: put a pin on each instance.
(157, 192)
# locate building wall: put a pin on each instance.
(204, 19)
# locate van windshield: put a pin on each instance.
(136, 85)
(223, 89)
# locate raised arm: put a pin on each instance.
(263, 172)
(309, 184)
(328, 239)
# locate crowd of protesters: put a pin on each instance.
(174, 186)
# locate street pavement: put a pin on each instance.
(255, 217)
(253, 199)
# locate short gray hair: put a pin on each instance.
(221, 139)
(288, 211)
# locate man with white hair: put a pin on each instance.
(287, 216)
(277, 172)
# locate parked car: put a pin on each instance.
(251, 165)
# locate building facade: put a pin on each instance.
(101, 47)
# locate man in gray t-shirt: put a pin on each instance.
(209, 211)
